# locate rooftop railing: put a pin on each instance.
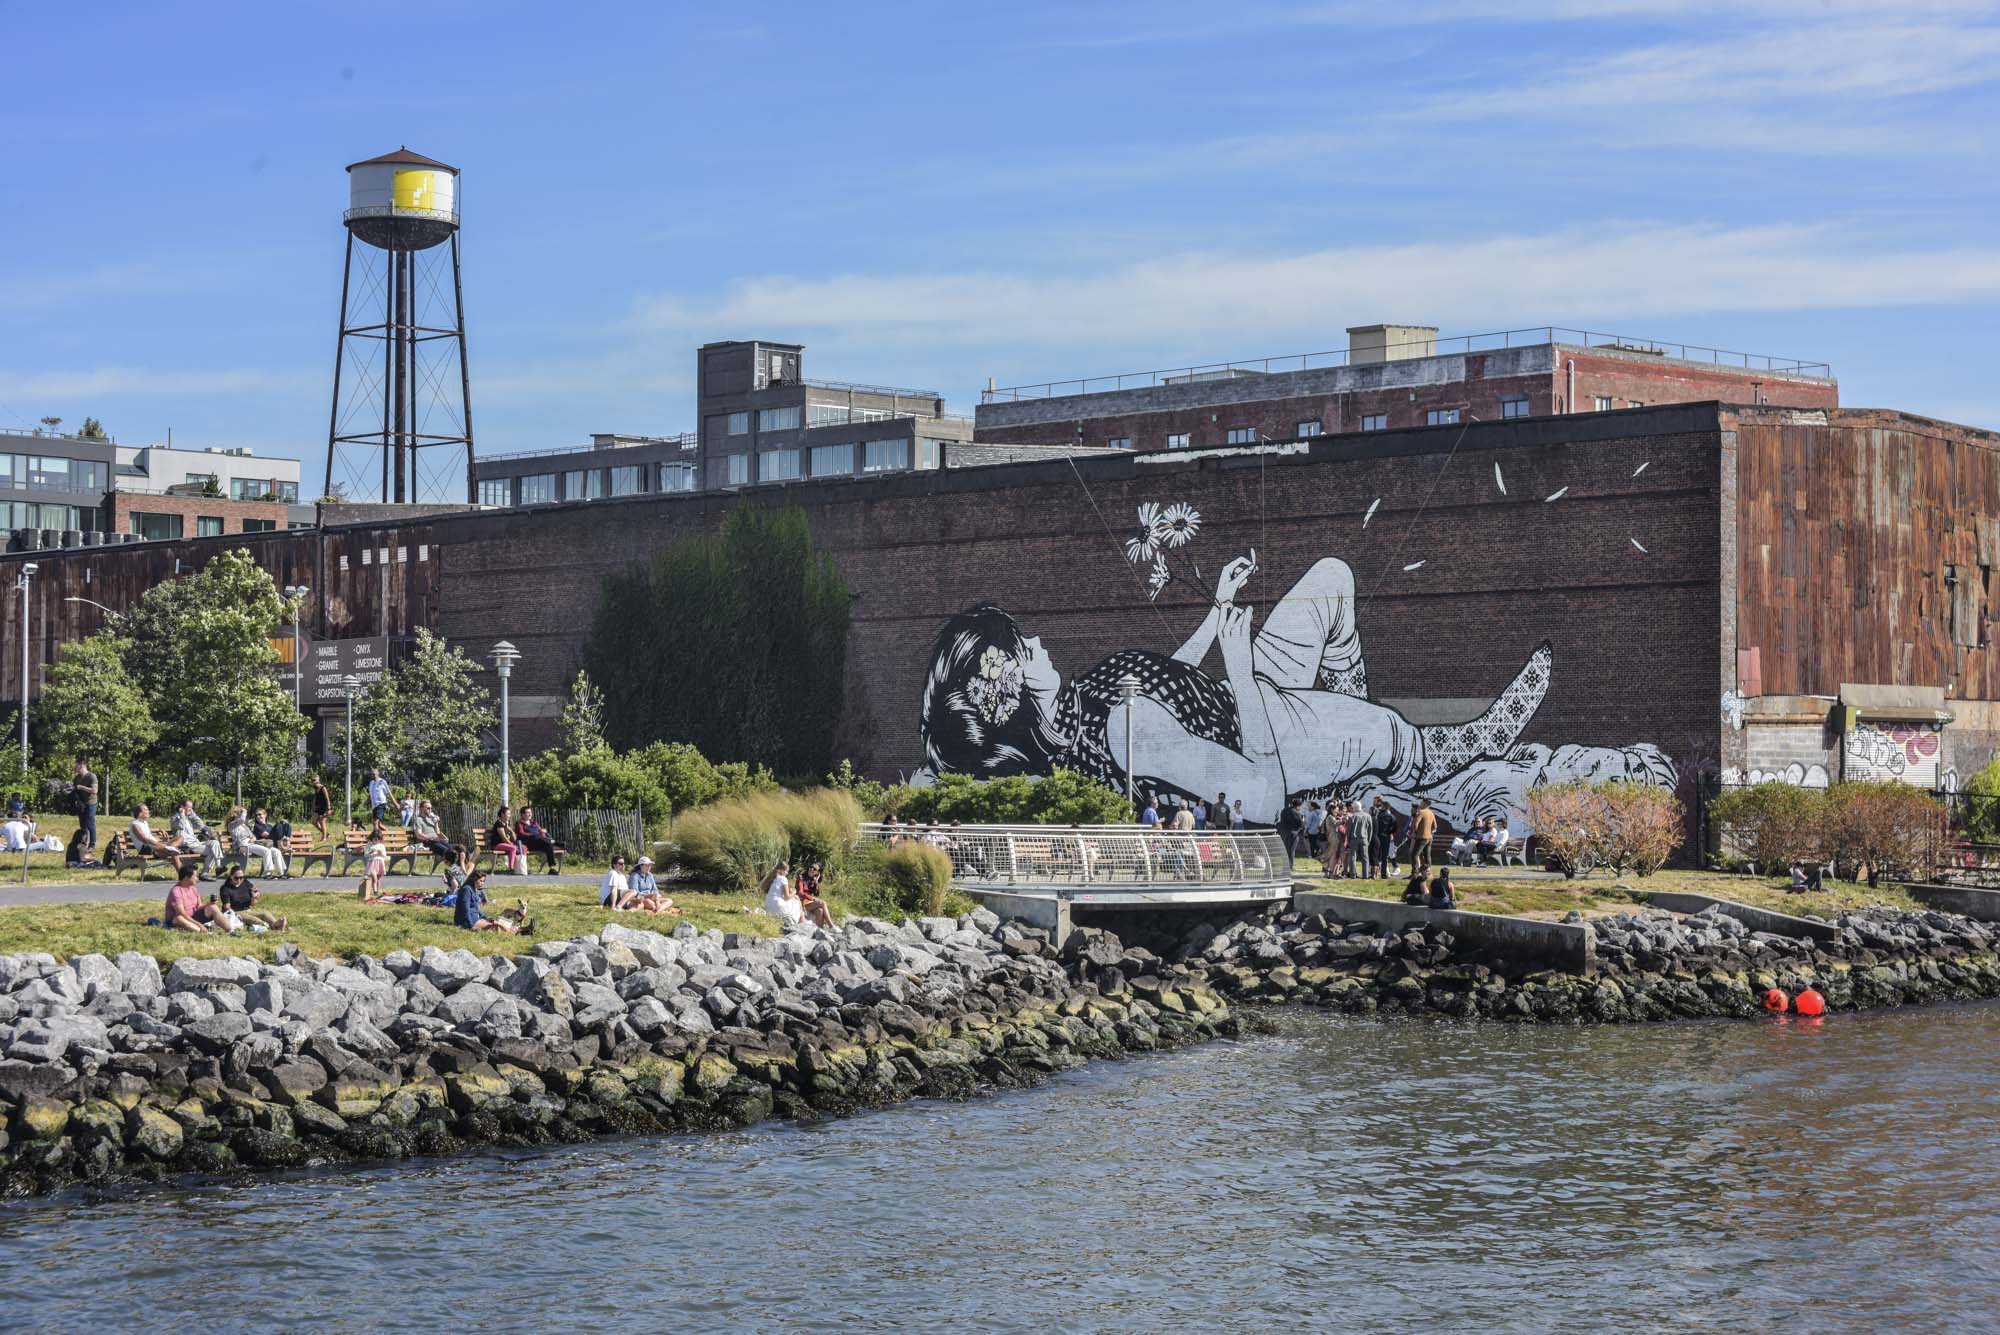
(686, 440)
(1455, 345)
(890, 390)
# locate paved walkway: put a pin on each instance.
(131, 890)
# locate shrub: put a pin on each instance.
(1773, 824)
(690, 780)
(1884, 826)
(1063, 798)
(919, 876)
(1642, 826)
(465, 785)
(1982, 804)
(1569, 824)
(211, 804)
(736, 843)
(599, 780)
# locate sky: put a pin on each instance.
(930, 195)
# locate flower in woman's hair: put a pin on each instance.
(1156, 579)
(1179, 524)
(996, 691)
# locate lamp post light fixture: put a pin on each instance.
(28, 570)
(504, 656)
(350, 686)
(1128, 691)
(297, 593)
(94, 603)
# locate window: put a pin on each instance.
(1635, 403)
(259, 525)
(930, 453)
(1514, 407)
(778, 466)
(1118, 443)
(26, 514)
(839, 414)
(247, 489)
(48, 474)
(718, 425)
(202, 480)
(496, 491)
(778, 419)
(1312, 428)
(538, 489)
(1374, 421)
(739, 470)
(8, 477)
(625, 480)
(832, 460)
(1243, 435)
(1178, 441)
(677, 477)
(1603, 404)
(154, 527)
(1442, 417)
(584, 485)
(884, 456)
(208, 526)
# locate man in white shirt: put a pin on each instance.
(15, 834)
(380, 797)
(194, 836)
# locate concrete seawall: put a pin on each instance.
(1970, 900)
(1757, 920)
(1564, 945)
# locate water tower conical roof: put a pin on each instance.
(404, 157)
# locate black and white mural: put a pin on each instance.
(1288, 715)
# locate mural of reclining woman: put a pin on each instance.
(1289, 716)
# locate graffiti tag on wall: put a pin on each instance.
(1287, 716)
(1907, 752)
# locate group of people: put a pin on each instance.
(795, 903)
(1437, 895)
(231, 909)
(189, 838)
(637, 893)
(1198, 815)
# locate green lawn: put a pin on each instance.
(1604, 893)
(330, 923)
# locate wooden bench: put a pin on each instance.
(395, 847)
(121, 853)
(299, 852)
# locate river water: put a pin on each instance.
(1338, 1174)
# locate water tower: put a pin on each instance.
(402, 397)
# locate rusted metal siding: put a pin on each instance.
(1849, 530)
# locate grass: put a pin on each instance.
(1604, 893)
(334, 923)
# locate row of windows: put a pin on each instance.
(876, 456)
(41, 514)
(720, 426)
(36, 473)
(1247, 435)
(259, 489)
(582, 484)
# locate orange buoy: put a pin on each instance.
(1774, 1001)
(1810, 1002)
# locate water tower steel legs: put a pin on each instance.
(339, 349)
(464, 374)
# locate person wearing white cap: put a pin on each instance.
(645, 891)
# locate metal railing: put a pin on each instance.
(686, 440)
(1103, 861)
(891, 390)
(1453, 345)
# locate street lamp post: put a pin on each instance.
(349, 686)
(504, 657)
(21, 583)
(1128, 691)
(297, 593)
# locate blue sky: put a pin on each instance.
(928, 195)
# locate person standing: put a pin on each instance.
(1201, 813)
(1291, 826)
(322, 804)
(380, 795)
(1382, 819)
(1363, 825)
(1315, 828)
(1150, 817)
(83, 792)
(1423, 828)
(1236, 814)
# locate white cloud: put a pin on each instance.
(112, 382)
(1211, 303)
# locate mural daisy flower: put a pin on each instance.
(1157, 578)
(1179, 524)
(996, 691)
(1142, 546)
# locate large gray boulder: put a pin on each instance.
(192, 975)
(449, 970)
(140, 973)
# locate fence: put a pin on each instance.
(1074, 860)
(590, 835)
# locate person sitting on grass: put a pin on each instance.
(457, 868)
(780, 900)
(1441, 896)
(616, 892)
(810, 902)
(646, 895)
(1414, 893)
(18, 832)
(467, 912)
(79, 852)
(239, 895)
(185, 912)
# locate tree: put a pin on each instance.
(581, 727)
(200, 649)
(424, 716)
(91, 709)
(52, 422)
(92, 429)
(753, 659)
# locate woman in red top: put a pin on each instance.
(815, 908)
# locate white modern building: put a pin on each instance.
(236, 472)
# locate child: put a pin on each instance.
(376, 856)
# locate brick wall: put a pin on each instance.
(1629, 378)
(232, 513)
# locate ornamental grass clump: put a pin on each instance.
(736, 843)
(918, 877)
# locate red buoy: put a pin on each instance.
(1810, 1002)
(1774, 1001)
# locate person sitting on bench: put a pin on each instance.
(151, 845)
(426, 830)
(534, 838)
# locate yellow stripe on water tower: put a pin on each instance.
(417, 190)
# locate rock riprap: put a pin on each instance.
(112, 1068)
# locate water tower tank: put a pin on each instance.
(402, 201)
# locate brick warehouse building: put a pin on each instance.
(1394, 376)
(1748, 591)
